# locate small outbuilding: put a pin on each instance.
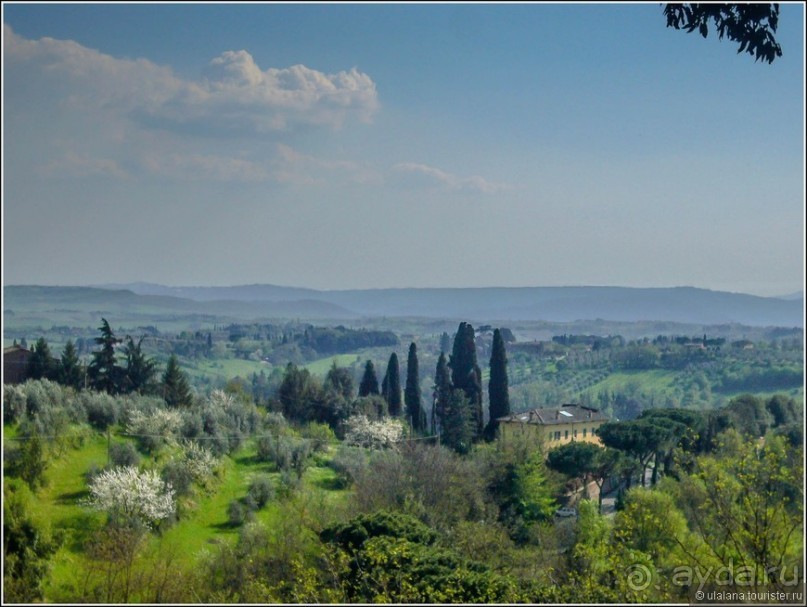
(15, 364)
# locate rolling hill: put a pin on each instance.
(555, 304)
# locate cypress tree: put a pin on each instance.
(466, 374)
(176, 390)
(392, 386)
(414, 410)
(445, 342)
(369, 381)
(441, 394)
(498, 397)
(459, 427)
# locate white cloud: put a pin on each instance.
(292, 166)
(428, 176)
(73, 164)
(235, 96)
(207, 167)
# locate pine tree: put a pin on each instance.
(104, 373)
(140, 370)
(466, 374)
(176, 390)
(391, 387)
(414, 411)
(369, 381)
(41, 364)
(70, 371)
(498, 397)
(441, 394)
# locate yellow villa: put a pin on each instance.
(556, 426)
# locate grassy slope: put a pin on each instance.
(204, 521)
(320, 367)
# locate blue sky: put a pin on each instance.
(393, 145)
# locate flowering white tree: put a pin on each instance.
(373, 434)
(129, 494)
(199, 461)
(155, 428)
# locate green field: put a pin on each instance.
(224, 369)
(320, 367)
(203, 523)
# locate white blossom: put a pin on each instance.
(162, 422)
(373, 434)
(131, 494)
(199, 461)
(220, 400)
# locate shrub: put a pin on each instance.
(28, 461)
(155, 428)
(275, 449)
(289, 483)
(349, 463)
(14, 403)
(27, 546)
(321, 435)
(236, 513)
(177, 474)
(123, 454)
(102, 410)
(199, 461)
(261, 491)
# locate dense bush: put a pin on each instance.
(123, 454)
(261, 491)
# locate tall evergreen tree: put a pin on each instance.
(441, 394)
(498, 397)
(41, 364)
(369, 381)
(140, 370)
(392, 386)
(103, 371)
(176, 390)
(339, 380)
(445, 342)
(414, 410)
(459, 427)
(70, 371)
(466, 374)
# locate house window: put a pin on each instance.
(557, 435)
(566, 435)
(575, 432)
(584, 432)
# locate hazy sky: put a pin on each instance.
(352, 146)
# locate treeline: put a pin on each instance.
(130, 372)
(457, 415)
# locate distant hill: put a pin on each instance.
(792, 296)
(555, 304)
(78, 306)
